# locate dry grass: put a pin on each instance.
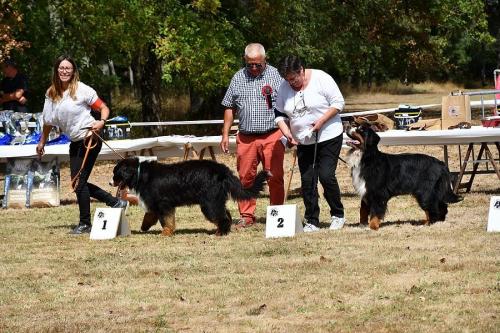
(404, 278)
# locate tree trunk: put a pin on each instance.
(498, 48)
(370, 75)
(112, 71)
(208, 107)
(150, 84)
(196, 102)
(135, 70)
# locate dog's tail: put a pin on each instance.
(239, 193)
(447, 188)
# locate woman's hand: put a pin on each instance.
(40, 150)
(318, 124)
(98, 125)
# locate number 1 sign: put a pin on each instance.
(494, 215)
(108, 223)
(282, 221)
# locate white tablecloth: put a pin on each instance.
(173, 145)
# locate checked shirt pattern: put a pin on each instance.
(244, 94)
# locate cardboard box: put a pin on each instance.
(454, 110)
(43, 183)
(31, 183)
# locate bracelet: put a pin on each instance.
(105, 120)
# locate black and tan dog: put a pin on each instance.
(377, 177)
(161, 188)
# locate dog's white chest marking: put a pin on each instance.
(141, 202)
(354, 161)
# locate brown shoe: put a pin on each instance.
(243, 223)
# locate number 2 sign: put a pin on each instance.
(282, 221)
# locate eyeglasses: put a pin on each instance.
(65, 69)
(250, 66)
(293, 78)
(299, 108)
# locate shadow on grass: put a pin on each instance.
(489, 192)
(399, 222)
(177, 232)
(384, 224)
(69, 226)
(344, 195)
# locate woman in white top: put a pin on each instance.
(308, 106)
(68, 103)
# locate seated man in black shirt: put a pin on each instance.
(14, 88)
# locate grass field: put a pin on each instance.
(403, 278)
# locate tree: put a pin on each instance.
(195, 46)
(11, 23)
(200, 50)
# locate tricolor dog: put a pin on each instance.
(378, 176)
(161, 188)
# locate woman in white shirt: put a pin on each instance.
(68, 103)
(308, 106)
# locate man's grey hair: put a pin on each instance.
(254, 50)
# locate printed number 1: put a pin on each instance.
(280, 222)
(104, 225)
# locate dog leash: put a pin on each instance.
(314, 188)
(89, 142)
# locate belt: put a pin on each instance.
(259, 133)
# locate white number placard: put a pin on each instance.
(282, 221)
(494, 214)
(108, 223)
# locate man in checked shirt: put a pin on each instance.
(251, 95)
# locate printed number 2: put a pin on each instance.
(280, 222)
(104, 225)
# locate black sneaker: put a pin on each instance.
(121, 204)
(81, 229)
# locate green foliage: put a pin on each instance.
(10, 27)
(372, 40)
(200, 42)
(199, 49)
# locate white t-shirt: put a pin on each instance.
(71, 115)
(304, 107)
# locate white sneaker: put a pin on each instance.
(337, 223)
(308, 227)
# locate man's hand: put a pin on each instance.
(291, 141)
(224, 144)
(18, 94)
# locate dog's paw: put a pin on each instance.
(167, 232)
(374, 223)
